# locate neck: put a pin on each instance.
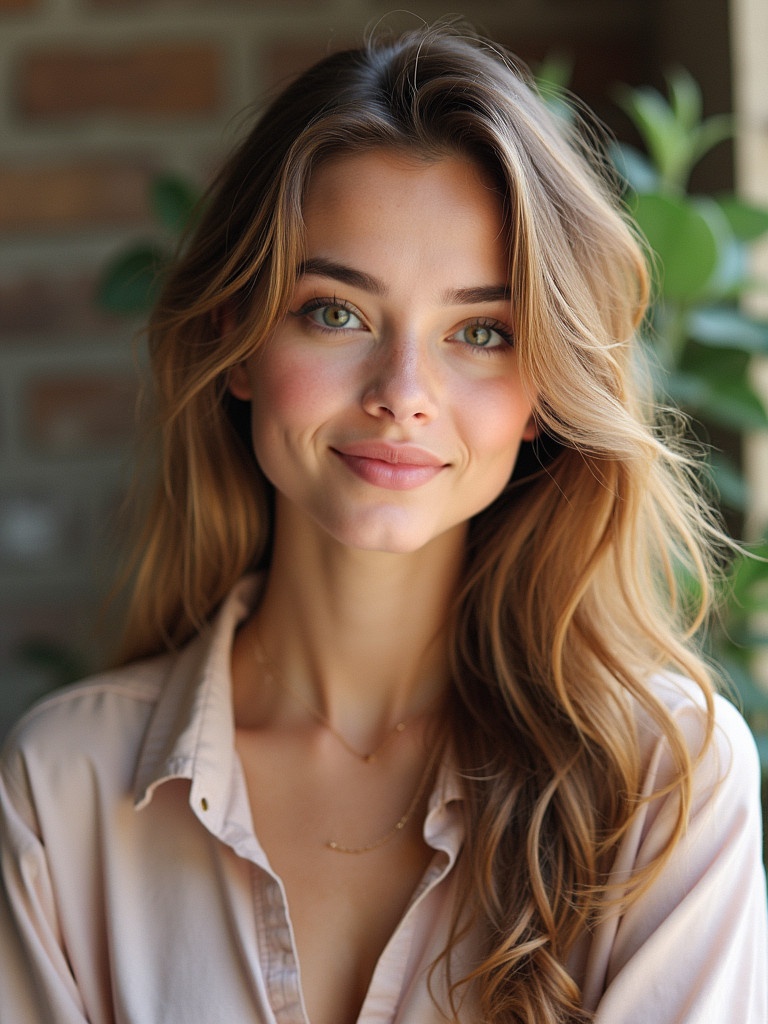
(361, 635)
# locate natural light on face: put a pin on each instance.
(387, 405)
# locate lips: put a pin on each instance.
(398, 467)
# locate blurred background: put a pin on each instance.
(98, 98)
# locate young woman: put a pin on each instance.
(409, 726)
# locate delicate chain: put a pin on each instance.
(368, 758)
(333, 844)
(399, 825)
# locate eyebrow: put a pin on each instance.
(340, 272)
(482, 293)
(359, 279)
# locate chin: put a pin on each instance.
(386, 544)
(394, 539)
(391, 547)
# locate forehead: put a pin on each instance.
(381, 175)
(389, 209)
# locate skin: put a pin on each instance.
(395, 357)
(387, 410)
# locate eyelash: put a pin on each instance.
(500, 328)
(320, 302)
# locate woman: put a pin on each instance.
(416, 707)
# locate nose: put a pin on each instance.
(402, 384)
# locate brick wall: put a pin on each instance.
(95, 97)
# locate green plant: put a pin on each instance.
(703, 338)
(129, 283)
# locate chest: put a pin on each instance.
(343, 917)
(343, 906)
(175, 922)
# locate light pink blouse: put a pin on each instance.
(135, 891)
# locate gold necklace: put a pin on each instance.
(337, 847)
(333, 844)
(367, 758)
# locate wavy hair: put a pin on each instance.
(569, 600)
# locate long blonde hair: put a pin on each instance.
(569, 600)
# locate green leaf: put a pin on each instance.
(727, 402)
(749, 569)
(708, 134)
(129, 284)
(673, 132)
(554, 72)
(729, 482)
(684, 240)
(665, 139)
(736, 407)
(715, 364)
(733, 275)
(634, 167)
(748, 221)
(173, 202)
(685, 98)
(726, 327)
(724, 239)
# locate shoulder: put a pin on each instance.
(101, 720)
(725, 765)
(721, 722)
(690, 943)
(89, 704)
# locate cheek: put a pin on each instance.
(288, 389)
(294, 397)
(496, 421)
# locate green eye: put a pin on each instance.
(485, 335)
(480, 337)
(334, 317)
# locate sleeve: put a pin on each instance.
(693, 949)
(36, 983)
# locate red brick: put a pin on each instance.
(146, 81)
(74, 415)
(72, 195)
(38, 305)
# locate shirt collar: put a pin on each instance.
(191, 734)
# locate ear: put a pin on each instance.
(531, 431)
(239, 382)
(238, 377)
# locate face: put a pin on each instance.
(387, 405)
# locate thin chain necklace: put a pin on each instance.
(367, 758)
(337, 847)
(333, 844)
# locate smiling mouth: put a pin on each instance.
(394, 454)
(393, 467)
